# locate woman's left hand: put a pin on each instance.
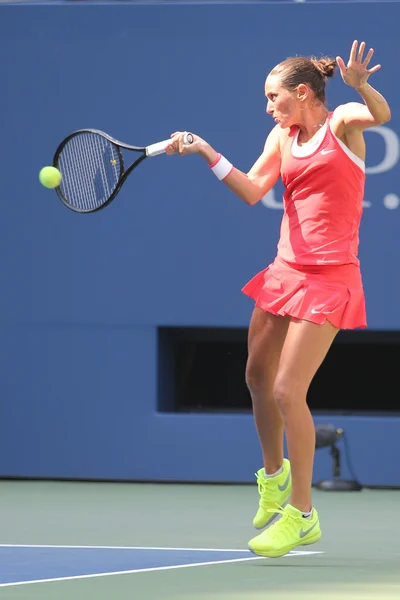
(356, 73)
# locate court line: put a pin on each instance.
(123, 547)
(145, 548)
(168, 568)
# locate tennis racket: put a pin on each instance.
(93, 170)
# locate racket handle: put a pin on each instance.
(157, 148)
(160, 147)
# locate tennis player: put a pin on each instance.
(313, 288)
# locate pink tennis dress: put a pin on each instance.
(316, 274)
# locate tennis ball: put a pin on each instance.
(50, 177)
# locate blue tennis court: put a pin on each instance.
(34, 564)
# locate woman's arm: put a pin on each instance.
(376, 110)
(250, 187)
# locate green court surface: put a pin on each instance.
(358, 555)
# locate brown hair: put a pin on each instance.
(310, 71)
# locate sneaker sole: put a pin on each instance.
(279, 553)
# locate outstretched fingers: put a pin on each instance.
(374, 69)
(340, 63)
(368, 57)
(361, 52)
(353, 51)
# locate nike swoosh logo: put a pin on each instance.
(283, 487)
(315, 312)
(327, 151)
(304, 533)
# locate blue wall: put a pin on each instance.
(83, 296)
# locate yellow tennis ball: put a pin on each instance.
(50, 177)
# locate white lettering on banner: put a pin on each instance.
(392, 150)
(389, 161)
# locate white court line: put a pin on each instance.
(293, 552)
(123, 548)
(92, 575)
(216, 562)
(167, 568)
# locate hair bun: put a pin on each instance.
(326, 66)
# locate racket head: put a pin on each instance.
(92, 169)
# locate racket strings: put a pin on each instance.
(91, 168)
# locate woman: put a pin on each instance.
(314, 287)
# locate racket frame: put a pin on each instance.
(145, 152)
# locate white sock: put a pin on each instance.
(307, 515)
(279, 471)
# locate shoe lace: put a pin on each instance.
(266, 492)
(275, 530)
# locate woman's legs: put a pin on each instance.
(304, 349)
(267, 334)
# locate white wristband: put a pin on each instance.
(221, 167)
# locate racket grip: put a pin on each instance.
(160, 147)
(157, 148)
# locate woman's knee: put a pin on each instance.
(286, 393)
(266, 337)
(257, 378)
(253, 376)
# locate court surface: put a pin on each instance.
(147, 541)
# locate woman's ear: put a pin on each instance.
(302, 92)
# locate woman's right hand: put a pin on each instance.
(199, 146)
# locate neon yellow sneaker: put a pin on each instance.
(274, 492)
(290, 531)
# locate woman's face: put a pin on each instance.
(283, 105)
